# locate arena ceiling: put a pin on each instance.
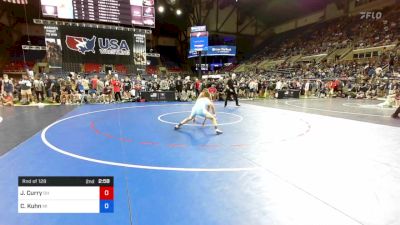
(275, 12)
(269, 12)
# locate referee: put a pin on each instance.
(395, 115)
(230, 90)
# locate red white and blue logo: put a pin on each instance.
(81, 44)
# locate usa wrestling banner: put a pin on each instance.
(96, 45)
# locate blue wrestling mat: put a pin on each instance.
(162, 176)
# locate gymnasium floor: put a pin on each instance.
(300, 162)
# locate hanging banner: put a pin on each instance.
(96, 45)
(53, 46)
(139, 49)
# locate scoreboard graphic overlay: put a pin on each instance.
(65, 194)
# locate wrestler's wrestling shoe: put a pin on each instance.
(177, 127)
(218, 132)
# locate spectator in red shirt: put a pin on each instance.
(117, 88)
(336, 85)
(93, 85)
(331, 87)
(197, 87)
(7, 99)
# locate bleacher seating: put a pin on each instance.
(18, 67)
(121, 69)
(91, 67)
(327, 41)
(151, 70)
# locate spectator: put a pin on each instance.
(56, 90)
(98, 88)
(179, 87)
(107, 93)
(47, 85)
(197, 87)
(26, 92)
(127, 87)
(7, 99)
(253, 85)
(116, 88)
(7, 86)
(38, 86)
(93, 86)
(307, 89)
(86, 85)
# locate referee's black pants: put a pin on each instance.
(228, 96)
(396, 114)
